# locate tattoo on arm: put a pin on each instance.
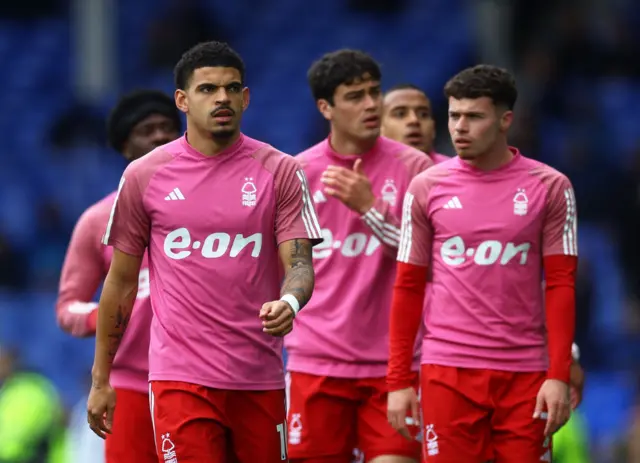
(120, 323)
(299, 278)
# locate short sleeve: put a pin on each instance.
(416, 233)
(560, 231)
(295, 213)
(128, 227)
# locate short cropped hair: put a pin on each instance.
(340, 67)
(405, 87)
(484, 80)
(206, 54)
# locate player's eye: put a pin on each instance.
(422, 114)
(207, 88)
(399, 113)
(234, 88)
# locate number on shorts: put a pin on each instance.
(282, 431)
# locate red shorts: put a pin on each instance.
(329, 417)
(476, 415)
(196, 424)
(131, 440)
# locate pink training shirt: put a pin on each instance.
(85, 267)
(484, 235)
(212, 226)
(344, 329)
(437, 158)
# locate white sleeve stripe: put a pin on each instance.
(308, 212)
(107, 233)
(152, 406)
(391, 229)
(405, 237)
(375, 227)
(569, 233)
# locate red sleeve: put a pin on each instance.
(406, 316)
(82, 273)
(128, 227)
(560, 302)
(295, 213)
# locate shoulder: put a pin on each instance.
(271, 159)
(548, 176)
(413, 159)
(311, 155)
(98, 212)
(150, 163)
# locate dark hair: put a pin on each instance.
(484, 80)
(133, 108)
(206, 54)
(405, 87)
(340, 67)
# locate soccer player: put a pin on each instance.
(407, 117)
(225, 219)
(140, 122)
(482, 227)
(338, 351)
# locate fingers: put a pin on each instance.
(357, 167)
(552, 416)
(277, 319)
(96, 420)
(397, 420)
(539, 406)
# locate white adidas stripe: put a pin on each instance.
(107, 233)
(404, 252)
(570, 230)
(308, 213)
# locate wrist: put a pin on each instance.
(293, 303)
(367, 206)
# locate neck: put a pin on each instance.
(206, 143)
(496, 157)
(345, 145)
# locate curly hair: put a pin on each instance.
(340, 67)
(484, 80)
(206, 54)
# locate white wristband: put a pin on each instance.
(293, 302)
(575, 352)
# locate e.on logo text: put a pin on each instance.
(178, 244)
(353, 245)
(454, 252)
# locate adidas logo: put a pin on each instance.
(453, 203)
(319, 197)
(174, 195)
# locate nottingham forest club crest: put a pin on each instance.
(249, 196)
(389, 192)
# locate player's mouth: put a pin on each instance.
(223, 115)
(462, 143)
(371, 122)
(414, 139)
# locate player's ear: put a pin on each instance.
(325, 108)
(181, 100)
(245, 98)
(506, 120)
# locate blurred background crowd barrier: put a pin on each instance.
(64, 63)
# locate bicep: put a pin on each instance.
(295, 252)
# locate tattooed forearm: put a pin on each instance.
(299, 276)
(120, 323)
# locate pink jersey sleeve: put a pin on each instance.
(295, 213)
(82, 272)
(416, 234)
(129, 226)
(381, 219)
(560, 232)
